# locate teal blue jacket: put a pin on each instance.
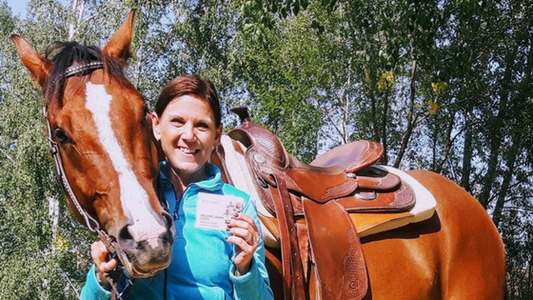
(202, 260)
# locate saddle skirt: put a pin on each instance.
(366, 223)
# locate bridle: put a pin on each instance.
(92, 224)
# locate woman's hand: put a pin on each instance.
(245, 235)
(100, 256)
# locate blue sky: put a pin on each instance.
(18, 7)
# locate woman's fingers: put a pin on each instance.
(243, 226)
(245, 235)
(100, 256)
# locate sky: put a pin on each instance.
(18, 7)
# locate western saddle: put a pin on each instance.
(312, 204)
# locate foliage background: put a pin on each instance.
(443, 85)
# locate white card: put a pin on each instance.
(216, 211)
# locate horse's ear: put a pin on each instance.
(119, 45)
(38, 65)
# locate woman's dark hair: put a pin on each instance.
(190, 85)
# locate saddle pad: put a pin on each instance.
(366, 223)
(369, 223)
(241, 178)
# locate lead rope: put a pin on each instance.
(117, 275)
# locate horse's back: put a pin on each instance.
(456, 254)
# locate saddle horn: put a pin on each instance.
(242, 112)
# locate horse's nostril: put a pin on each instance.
(168, 236)
(125, 234)
(167, 219)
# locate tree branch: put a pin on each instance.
(7, 155)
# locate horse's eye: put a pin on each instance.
(60, 135)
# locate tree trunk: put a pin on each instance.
(373, 106)
(507, 178)
(384, 140)
(467, 152)
(522, 97)
(495, 130)
(411, 120)
(449, 143)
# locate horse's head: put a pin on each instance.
(97, 124)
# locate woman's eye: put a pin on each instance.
(177, 122)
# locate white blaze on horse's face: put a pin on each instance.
(143, 223)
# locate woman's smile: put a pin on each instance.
(187, 150)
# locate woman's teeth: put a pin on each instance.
(187, 150)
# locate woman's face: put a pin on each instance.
(188, 135)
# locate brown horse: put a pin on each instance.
(109, 161)
(101, 142)
(457, 253)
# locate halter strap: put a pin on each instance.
(83, 69)
(78, 70)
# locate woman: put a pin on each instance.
(206, 263)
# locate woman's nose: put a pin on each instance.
(187, 131)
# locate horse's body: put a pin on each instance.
(109, 160)
(455, 254)
(101, 140)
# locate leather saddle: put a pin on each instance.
(312, 204)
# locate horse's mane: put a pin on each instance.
(69, 53)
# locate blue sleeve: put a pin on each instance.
(92, 289)
(255, 284)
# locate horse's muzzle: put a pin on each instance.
(150, 252)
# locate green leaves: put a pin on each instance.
(317, 73)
